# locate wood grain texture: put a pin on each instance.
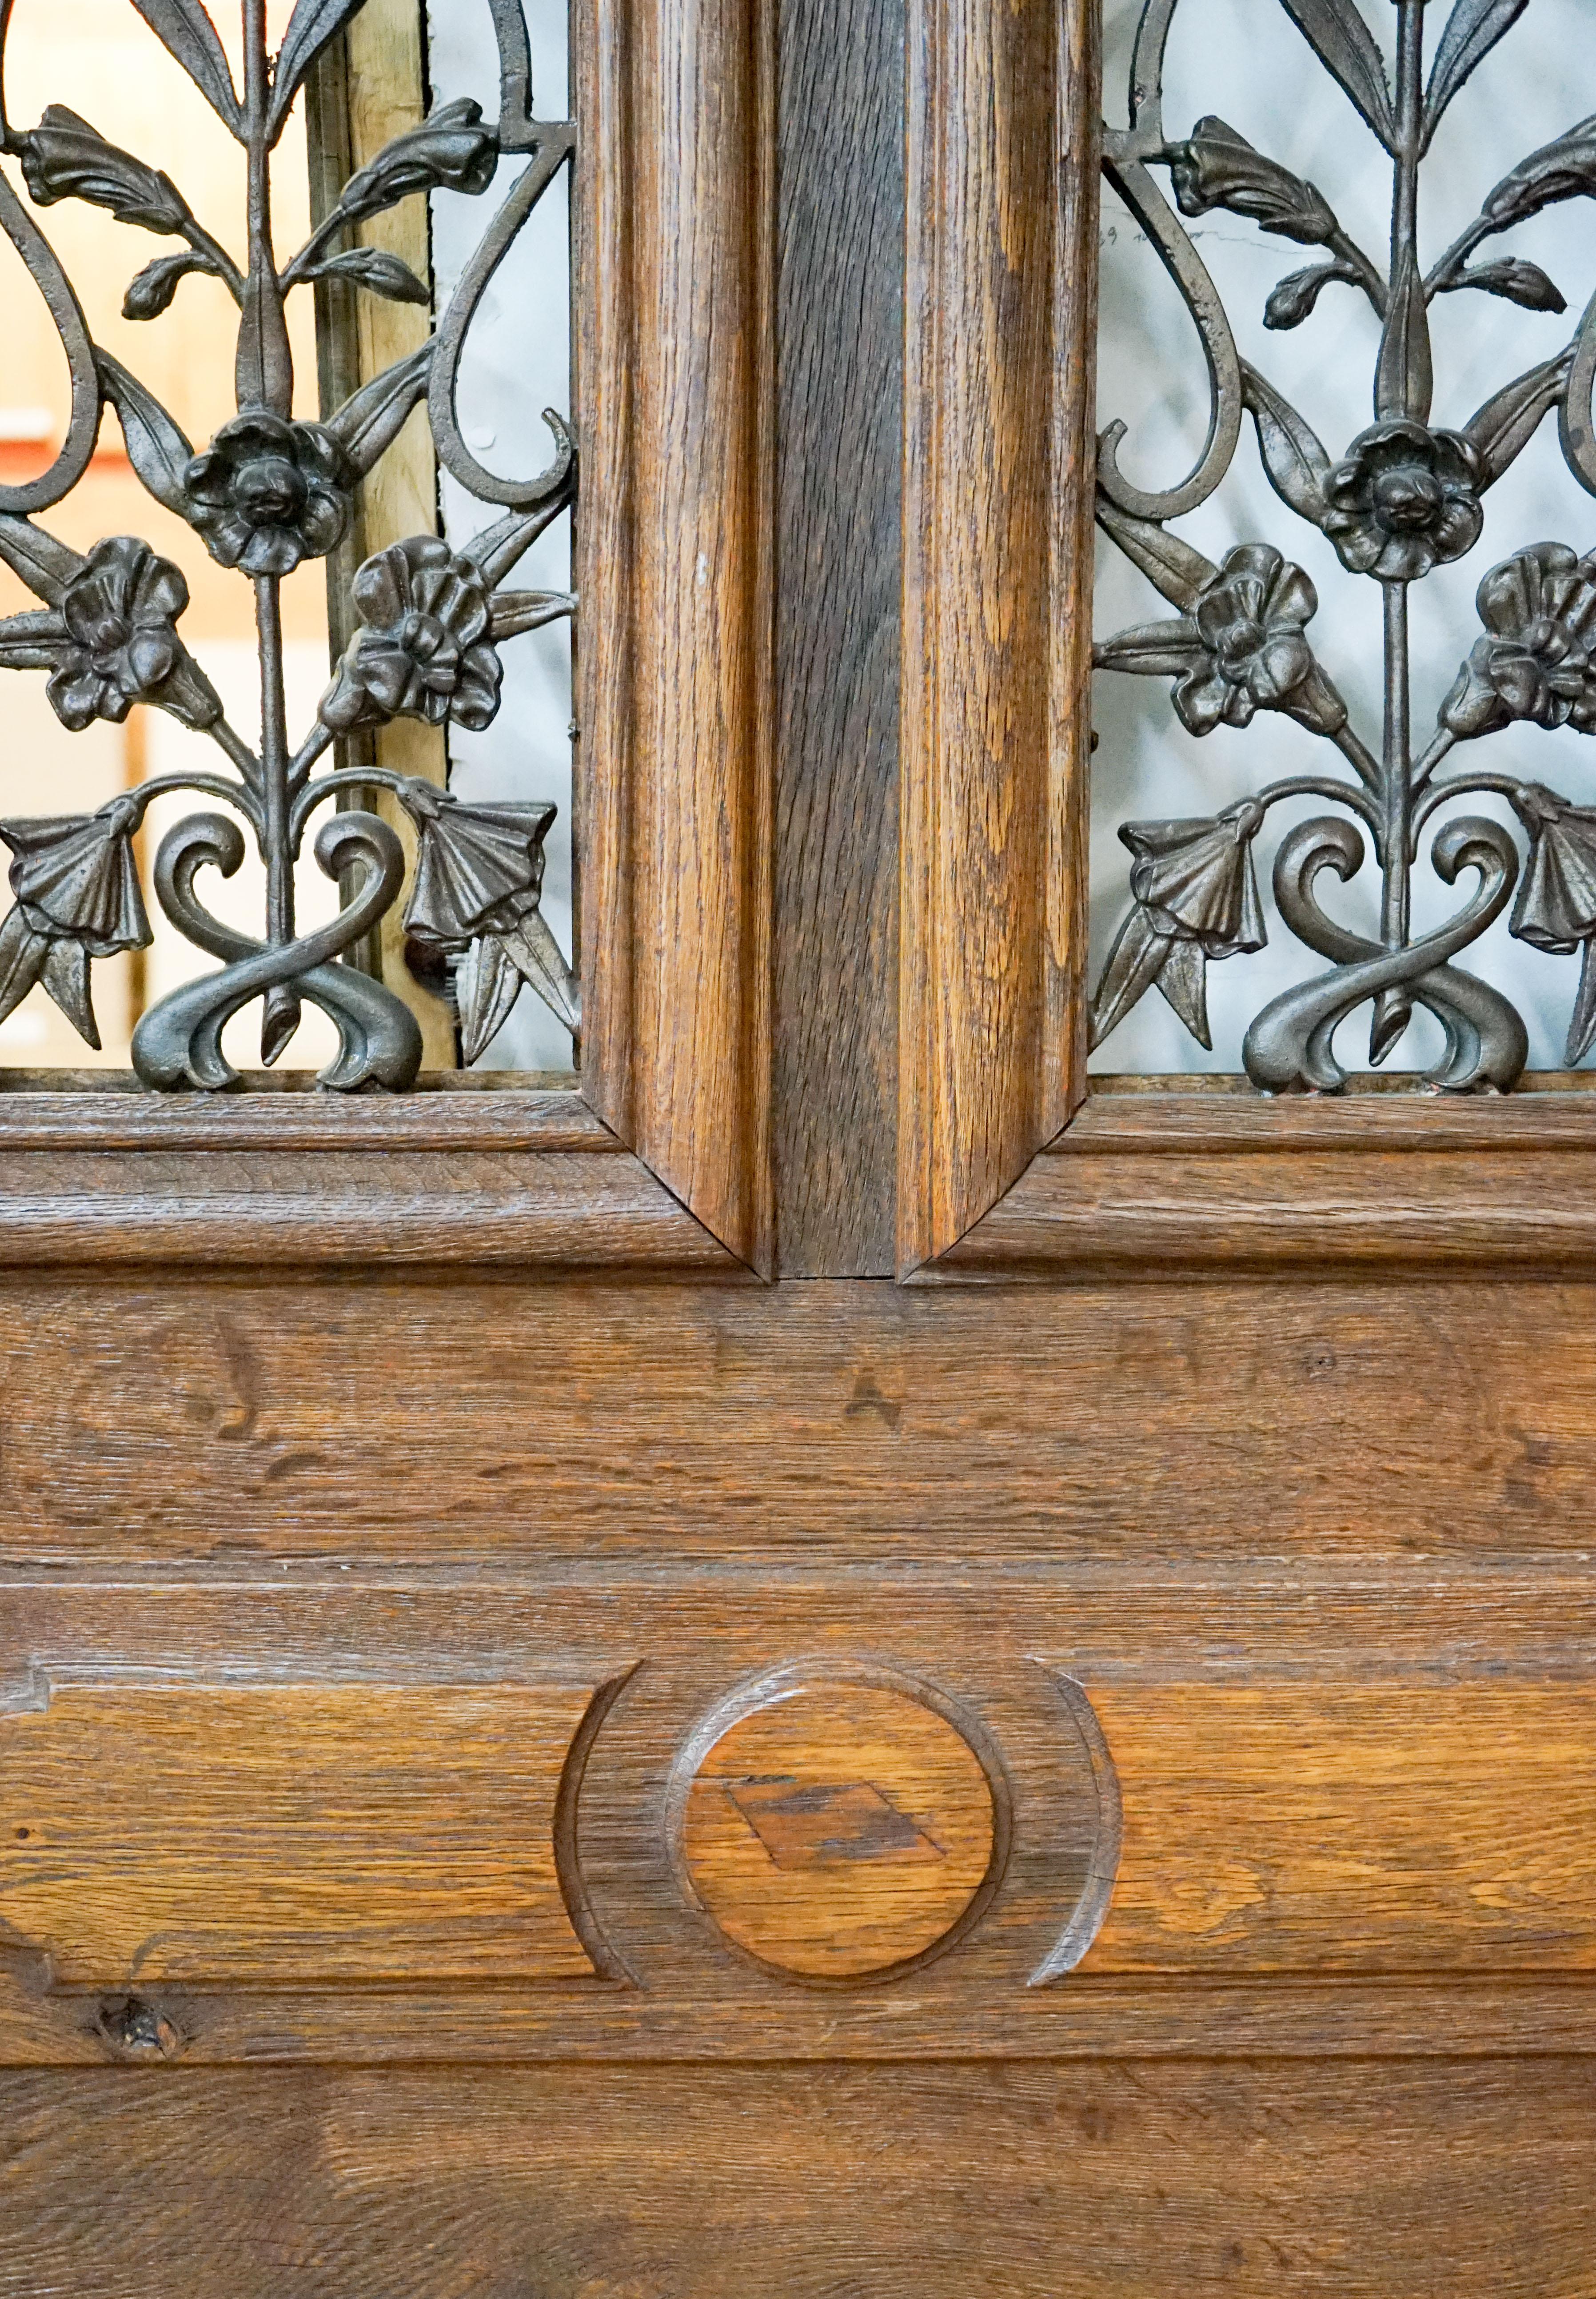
(674, 237)
(1001, 240)
(368, 86)
(288, 1832)
(316, 1181)
(1325, 1423)
(839, 445)
(1155, 1182)
(1031, 2182)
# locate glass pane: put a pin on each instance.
(1303, 608)
(160, 603)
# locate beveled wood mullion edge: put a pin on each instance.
(1451, 2016)
(998, 457)
(519, 1183)
(1162, 1183)
(675, 378)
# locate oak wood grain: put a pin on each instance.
(839, 326)
(1002, 255)
(1023, 2182)
(288, 1832)
(675, 263)
(1166, 1181)
(1325, 1422)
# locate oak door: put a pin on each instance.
(810, 1661)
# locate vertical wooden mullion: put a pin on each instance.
(674, 570)
(1002, 255)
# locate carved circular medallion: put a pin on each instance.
(838, 1826)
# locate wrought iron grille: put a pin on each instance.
(1402, 499)
(268, 492)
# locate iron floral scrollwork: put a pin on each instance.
(269, 492)
(1404, 498)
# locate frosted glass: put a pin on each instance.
(517, 362)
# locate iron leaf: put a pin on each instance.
(1344, 45)
(1183, 979)
(64, 974)
(1296, 295)
(1472, 30)
(1171, 566)
(531, 945)
(1516, 280)
(1501, 429)
(1134, 964)
(1404, 379)
(21, 960)
(151, 292)
(487, 984)
(373, 268)
(1293, 457)
(1562, 170)
(43, 564)
(312, 24)
(184, 28)
(1581, 1022)
(373, 416)
(156, 448)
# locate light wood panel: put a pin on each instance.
(288, 1832)
(997, 522)
(675, 297)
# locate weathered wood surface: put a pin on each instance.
(1375, 2182)
(839, 449)
(1315, 1424)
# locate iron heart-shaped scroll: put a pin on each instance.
(268, 492)
(1402, 499)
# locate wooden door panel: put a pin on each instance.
(1020, 2182)
(288, 1833)
(708, 1812)
(1112, 1423)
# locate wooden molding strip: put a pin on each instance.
(523, 1182)
(675, 212)
(998, 462)
(1155, 1183)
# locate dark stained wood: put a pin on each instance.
(839, 446)
(1022, 2182)
(998, 458)
(1148, 1182)
(675, 263)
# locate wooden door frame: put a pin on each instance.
(834, 948)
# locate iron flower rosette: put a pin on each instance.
(1403, 499)
(110, 641)
(425, 649)
(1196, 895)
(76, 880)
(1241, 649)
(478, 881)
(268, 493)
(1536, 661)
